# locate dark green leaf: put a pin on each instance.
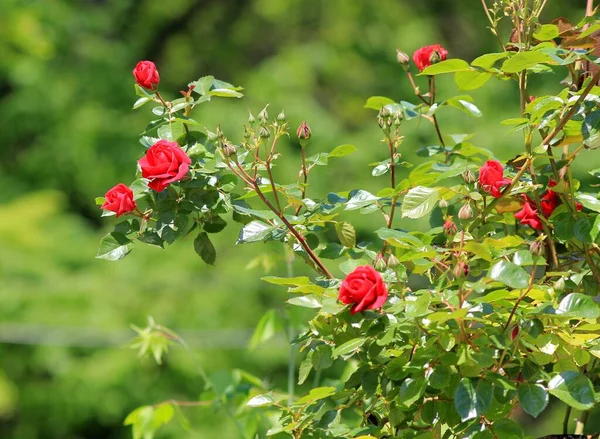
(205, 248)
(254, 231)
(411, 390)
(578, 305)
(473, 398)
(114, 246)
(509, 274)
(591, 130)
(533, 398)
(574, 389)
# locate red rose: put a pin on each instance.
(549, 200)
(364, 288)
(119, 199)
(425, 56)
(491, 177)
(164, 163)
(146, 75)
(529, 216)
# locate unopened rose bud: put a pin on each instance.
(514, 332)
(303, 131)
(449, 227)
(403, 59)
(559, 285)
(380, 263)
(468, 176)
(385, 112)
(264, 133)
(247, 134)
(229, 149)
(281, 116)
(263, 116)
(435, 57)
(536, 248)
(251, 118)
(393, 261)
(465, 212)
(443, 204)
(461, 270)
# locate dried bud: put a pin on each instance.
(435, 57)
(465, 212)
(229, 149)
(514, 332)
(536, 248)
(251, 118)
(468, 176)
(303, 131)
(449, 227)
(264, 133)
(403, 59)
(380, 263)
(461, 270)
(393, 261)
(281, 116)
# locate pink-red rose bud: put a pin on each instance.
(164, 163)
(403, 59)
(465, 212)
(491, 177)
(514, 332)
(120, 200)
(536, 248)
(428, 55)
(303, 131)
(449, 226)
(461, 269)
(363, 289)
(146, 75)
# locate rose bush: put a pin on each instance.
(450, 327)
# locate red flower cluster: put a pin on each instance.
(146, 75)
(364, 289)
(549, 201)
(164, 163)
(428, 55)
(119, 199)
(491, 177)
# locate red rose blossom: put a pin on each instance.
(119, 199)
(529, 216)
(146, 75)
(549, 200)
(364, 289)
(491, 177)
(425, 56)
(164, 163)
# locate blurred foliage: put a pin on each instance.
(66, 92)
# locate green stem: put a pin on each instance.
(581, 421)
(291, 378)
(566, 420)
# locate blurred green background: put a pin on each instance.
(68, 134)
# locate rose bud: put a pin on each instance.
(120, 200)
(491, 177)
(281, 116)
(363, 289)
(536, 248)
(468, 176)
(428, 55)
(465, 212)
(146, 75)
(164, 163)
(251, 118)
(393, 261)
(403, 59)
(449, 226)
(514, 332)
(264, 133)
(263, 116)
(443, 204)
(229, 149)
(380, 263)
(461, 270)
(303, 131)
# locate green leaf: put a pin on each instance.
(463, 104)
(205, 248)
(261, 400)
(595, 229)
(574, 389)
(533, 398)
(305, 302)
(590, 130)
(266, 328)
(440, 377)
(292, 281)
(419, 201)
(316, 395)
(378, 102)
(473, 398)
(507, 429)
(411, 390)
(114, 246)
(583, 230)
(577, 305)
(360, 199)
(349, 346)
(254, 231)
(589, 201)
(488, 60)
(346, 234)
(546, 32)
(447, 66)
(471, 80)
(419, 306)
(524, 60)
(342, 150)
(147, 420)
(509, 274)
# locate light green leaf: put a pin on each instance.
(524, 60)
(465, 106)
(471, 80)
(574, 389)
(377, 102)
(305, 302)
(590, 129)
(342, 150)
(346, 234)
(473, 398)
(114, 246)
(254, 231)
(546, 32)
(349, 346)
(266, 328)
(316, 395)
(488, 60)
(447, 66)
(509, 274)
(292, 281)
(589, 201)
(360, 199)
(261, 400)
(577, 305)
(419, 201)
